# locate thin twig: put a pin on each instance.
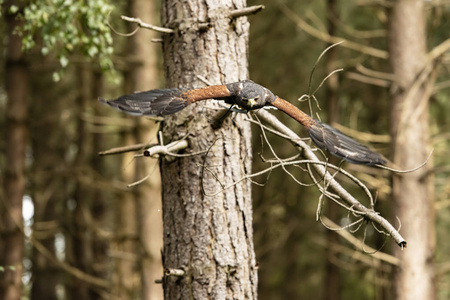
(251, 10)
(357, 243)
(124, 149)
(369, 80)
(324, 36)
(141, 24)
(334, 185)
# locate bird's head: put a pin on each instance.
(253, 96)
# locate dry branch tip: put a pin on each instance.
(251, 10)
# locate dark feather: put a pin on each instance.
(342, 146)
(151, 103)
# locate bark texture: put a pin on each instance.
(410, 131)
(11, 239)
(207, 229)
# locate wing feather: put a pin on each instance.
(342, 146)
(159, 102)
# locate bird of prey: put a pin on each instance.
(246, 95)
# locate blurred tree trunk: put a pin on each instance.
(127, 276)
(144, 76)
(140, 218)
(101, 209)
(84, 255)
(12, 240)
(332, 290)
(81, 239)
(208, 233)
(48, 191)
(412, 192)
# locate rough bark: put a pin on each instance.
(207, 235)
(12, 244)
(410, 132)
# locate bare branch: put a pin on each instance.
(382, 3)
(251, 10)
(124, 149)
(166, 149)
(325, 79)
(174, 272)
(324, 36)
(375, 74)
(146, 25)
(368, 80)
(357, 243)
(333, 184)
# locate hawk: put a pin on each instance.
(246, 95)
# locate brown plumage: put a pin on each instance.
(247, 95)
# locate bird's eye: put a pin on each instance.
(257, 98)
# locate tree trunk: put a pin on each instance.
(207, 230)
(101, 208)
(332, 282)
(12, 244)
(48, 189)
(147, 196)
(82, 239)
(412, 192)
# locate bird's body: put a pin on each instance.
(247, 95)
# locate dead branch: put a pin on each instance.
(141, 24)
(166, 149)
(375, 74)
(324, 36)
(251, 10)
(124, 149)
(174, 272)
(357, 243)
(343, 194)
(369, 80)
(381, 3)
(237, 13)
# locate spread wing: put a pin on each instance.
(164, 102)
(342, 146)
(331, 139)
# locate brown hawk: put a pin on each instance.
(247, 95)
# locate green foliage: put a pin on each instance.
(67, 26)
(11, 268)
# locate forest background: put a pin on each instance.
(86, 234)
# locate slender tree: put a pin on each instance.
(16, 83)
(332, 278)
(413, 193)
(208, 236)
(82, 230)
(139, 211)
(143, 76)
(47, 190)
